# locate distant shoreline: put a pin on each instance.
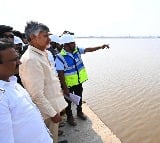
(121, 37)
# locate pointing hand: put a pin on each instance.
(105, 46)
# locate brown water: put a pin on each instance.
(124, 87)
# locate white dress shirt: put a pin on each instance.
(20, 119)
(51, 59)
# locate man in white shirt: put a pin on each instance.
(20, 119)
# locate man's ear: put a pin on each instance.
(32, 36)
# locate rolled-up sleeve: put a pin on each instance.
(6, 130)
(81, 50)
(32, 77)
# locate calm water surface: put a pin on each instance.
(124, 87)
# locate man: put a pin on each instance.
(18, 45)
(53, 50)
(38, 77)
(20, 119)
(6, 32)
(72, 72)
(55, 45)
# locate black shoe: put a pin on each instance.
(62, 124)
(64, 141)
(82, 116)
(71, 121)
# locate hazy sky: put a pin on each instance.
(85, 17)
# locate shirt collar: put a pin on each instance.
(64, 52)
(37, 50)
(12, 81)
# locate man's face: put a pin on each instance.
(18, 48)
(59, 47)
(72, 46)
(53, 44)
(56, 46)
(9, 62)
(42, 40)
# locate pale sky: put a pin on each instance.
(85, 17)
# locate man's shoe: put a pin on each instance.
(64, 141)
(71, 121)
(82, 116)
(62, 124)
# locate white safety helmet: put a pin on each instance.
(66, 38)
(55, 38)
(18, 40)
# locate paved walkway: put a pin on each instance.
(93, 130)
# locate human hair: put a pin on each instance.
(34, 28)
(3, 29)
(17, 33)
(5, 44)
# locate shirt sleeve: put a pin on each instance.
(81, 50)
(6, 130)
(50, 57)
(33, 79)
(59, 64)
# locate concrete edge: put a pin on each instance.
(99, 127)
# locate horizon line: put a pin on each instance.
(117, 36)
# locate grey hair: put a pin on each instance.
(33, 28)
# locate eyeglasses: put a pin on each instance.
(16, 59)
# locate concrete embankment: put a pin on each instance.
(93, 130)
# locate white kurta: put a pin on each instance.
(41, 82)
(20, 119)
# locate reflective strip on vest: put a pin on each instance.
(74, 71)
(72, 79)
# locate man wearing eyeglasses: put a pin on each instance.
(20, 119)
(6, 32)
